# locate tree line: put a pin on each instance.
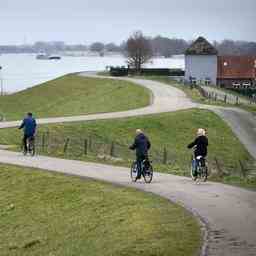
(160, 46)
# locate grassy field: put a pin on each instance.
(74, 95)
(172, 131)
(56, 215)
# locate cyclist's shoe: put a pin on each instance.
(137, 178)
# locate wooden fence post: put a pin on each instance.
(47, 140)
(112, 149)
(90, 144)
(243, 169)
(43, 141)
(219, 169)
(66, 145)
(165, 157)
(85, 147)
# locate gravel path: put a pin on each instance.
(228, 214)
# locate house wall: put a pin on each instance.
(201, 67)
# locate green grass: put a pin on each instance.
(51, 214)
(172, 131)
(74, 95)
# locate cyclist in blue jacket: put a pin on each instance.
(29, 127)
(141, 145)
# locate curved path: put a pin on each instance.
(164, 99)
(227, 213)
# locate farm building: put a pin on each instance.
(236, 72)
(201, 62)
(204, 66)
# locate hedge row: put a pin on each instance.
(146, 71)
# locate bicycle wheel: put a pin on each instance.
(148, 174)
(134, 171)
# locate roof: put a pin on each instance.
(201, 47)
(236, 67)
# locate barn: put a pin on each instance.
(204, 66)
(237, 72)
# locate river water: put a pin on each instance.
(21, 71)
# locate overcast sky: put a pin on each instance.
(86, 21)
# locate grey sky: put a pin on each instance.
(85, 21)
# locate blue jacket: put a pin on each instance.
(29, 126)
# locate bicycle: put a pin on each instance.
(146, 171)
(199, 169)
(30, 146)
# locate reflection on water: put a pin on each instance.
(20, 71)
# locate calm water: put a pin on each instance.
(20, 71)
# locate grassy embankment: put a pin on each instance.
(51, 214)
(74, 95)
(170, 130)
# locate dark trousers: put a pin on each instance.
(139, 160)
(25, 138)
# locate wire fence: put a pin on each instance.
(225, 97)
(104, 149)
(95, 146)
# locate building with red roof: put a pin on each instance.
(237, 72)
(203, 65)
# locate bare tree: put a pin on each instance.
(111, 47)
(138, 50)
